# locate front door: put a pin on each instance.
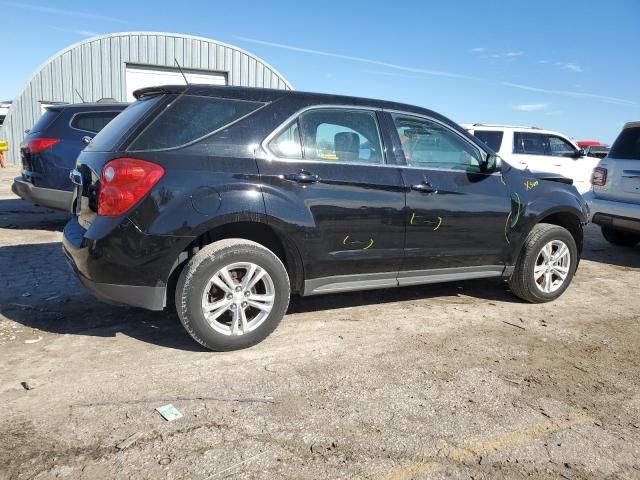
(456, 214)
(327, 185)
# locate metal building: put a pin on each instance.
(113, 66)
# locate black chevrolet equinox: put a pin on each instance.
(221, 202)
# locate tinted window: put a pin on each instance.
(2, 117)
(108, 138)
(627, 145)
(559, 147)
(189, 118)
(287, 144)
(45, 120)
(92, 121)
(528, 143)
(492, 139)
(430, 144)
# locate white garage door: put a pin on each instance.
(143, 76)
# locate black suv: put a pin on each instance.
(51, 147)
(222, 201)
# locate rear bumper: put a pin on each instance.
(620, 215)
(45, 197)
(119, 263)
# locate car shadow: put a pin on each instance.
(492, 289)
(42, 292)
(21, 215)
(597, 249)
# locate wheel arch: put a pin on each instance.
(569, 219)
(256, 231)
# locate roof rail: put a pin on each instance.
(507, 126)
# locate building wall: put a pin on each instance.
(96, 69)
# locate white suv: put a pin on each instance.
(615, 201)
(539, 151)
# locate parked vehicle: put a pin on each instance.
(51, 147)
(615, 202)
(538, 150)
(229, 199)
(597, 151)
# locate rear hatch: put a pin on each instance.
(107, 145)
(622, 168)
(37, 142)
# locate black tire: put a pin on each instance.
(620, 237)
(201, 268)
(522, 282)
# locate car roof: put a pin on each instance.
(635, 124)
(484, 126)
(270, 95)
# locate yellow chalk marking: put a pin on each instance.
(344, 242)
(499, 442)
(531, 184)
(413, 217)
(370, 244)
(439, 223)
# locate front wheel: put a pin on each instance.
(232, 294)
(546, 264)
(620, 237)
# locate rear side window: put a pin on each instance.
(529, 143)
(92, 121)
(492, 139)
(190, 118)
(45, 120)
(114, 131)
(627, 145)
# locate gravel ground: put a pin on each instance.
(459, 380)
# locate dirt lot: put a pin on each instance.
(453, 381)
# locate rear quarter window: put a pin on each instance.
(190, 118)
(492, 139)
(627, 145)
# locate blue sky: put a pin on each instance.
(570, 66)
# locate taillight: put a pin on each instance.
(599, 176)
(37, 145)
(123, 182)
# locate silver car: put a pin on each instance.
(615, 200)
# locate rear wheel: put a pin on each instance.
(620, 237)
(232, 294)
(546, 264)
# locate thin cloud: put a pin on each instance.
(60, 11)
(82, 33)
(422, 72)
(404, 68)
(574, 67)
(491, 53)
(478, 50)
(530, 107)
(569, 93)
(504, 55)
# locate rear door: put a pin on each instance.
(328, 185)
(623, 168)
(456, 214)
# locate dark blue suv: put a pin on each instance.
(50, 149)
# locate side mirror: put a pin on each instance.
(493, 163)
(579, 153)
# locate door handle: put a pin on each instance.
(302, 177)
(424, 188)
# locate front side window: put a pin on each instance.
(92, 121)
(493, 139)
(190, 118)
(559, 147)
(529, 143)
(430, 144)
